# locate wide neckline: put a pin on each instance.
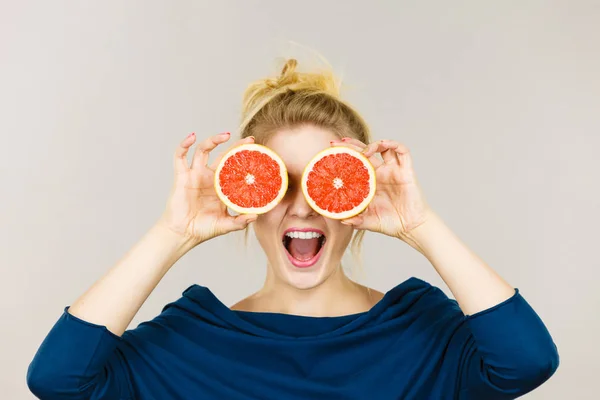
(269, 313)
(241, 320)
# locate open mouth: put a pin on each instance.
(303, 246)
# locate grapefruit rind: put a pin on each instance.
(252, 210)
(354, 211)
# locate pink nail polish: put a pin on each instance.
(191, 134)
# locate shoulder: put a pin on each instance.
(418, 299)
(416, 289)
(196, 310)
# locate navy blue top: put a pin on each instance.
(414, 344)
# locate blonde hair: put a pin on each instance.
(295, 98)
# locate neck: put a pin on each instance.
(323, 300)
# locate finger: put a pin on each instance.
(404, 155)
(387, 148)
(372, 148)
(381, 148)
(204, 148)
(347, 144)
(363, 221)
(354, 141)
(180, 158)
(390, 157)
(359, 147)
(354, 221)
(238, 222)
(382, 145)
(249, 139)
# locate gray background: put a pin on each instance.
(498, 101)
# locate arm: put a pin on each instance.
(80, 358)
(194, 214)
(115, 299)
(513, 352)
(474, 284)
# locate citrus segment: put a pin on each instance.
(339, 183)
(251, 179)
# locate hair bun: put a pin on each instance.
(290, 78)
(260, 92)
(287, 77)
(289, 67)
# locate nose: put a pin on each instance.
(298, 207)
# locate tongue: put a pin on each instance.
(303, 249)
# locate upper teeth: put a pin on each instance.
(303, 235)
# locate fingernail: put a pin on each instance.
(225, 133)
(191, 134)
(344, 139)
(252, 137)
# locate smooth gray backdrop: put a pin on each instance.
(499, 102)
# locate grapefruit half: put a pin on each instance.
(339, 182)
(251, 179)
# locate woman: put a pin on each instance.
(310, 332)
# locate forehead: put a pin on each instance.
(297, 146)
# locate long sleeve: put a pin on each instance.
(79, 360)
(510, 353)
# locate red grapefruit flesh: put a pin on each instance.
(251, 179)
(339, 182)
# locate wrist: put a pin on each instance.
(178, 242)
(420, 236)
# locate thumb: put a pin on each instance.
(355, 222)
(362, 222)
(238, 222)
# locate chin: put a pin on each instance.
(305, 279)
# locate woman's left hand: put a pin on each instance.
(398, 206)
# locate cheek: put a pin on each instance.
(260, 229)
(267, 225)
(342, 233)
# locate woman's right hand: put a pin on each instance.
(194, 210)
